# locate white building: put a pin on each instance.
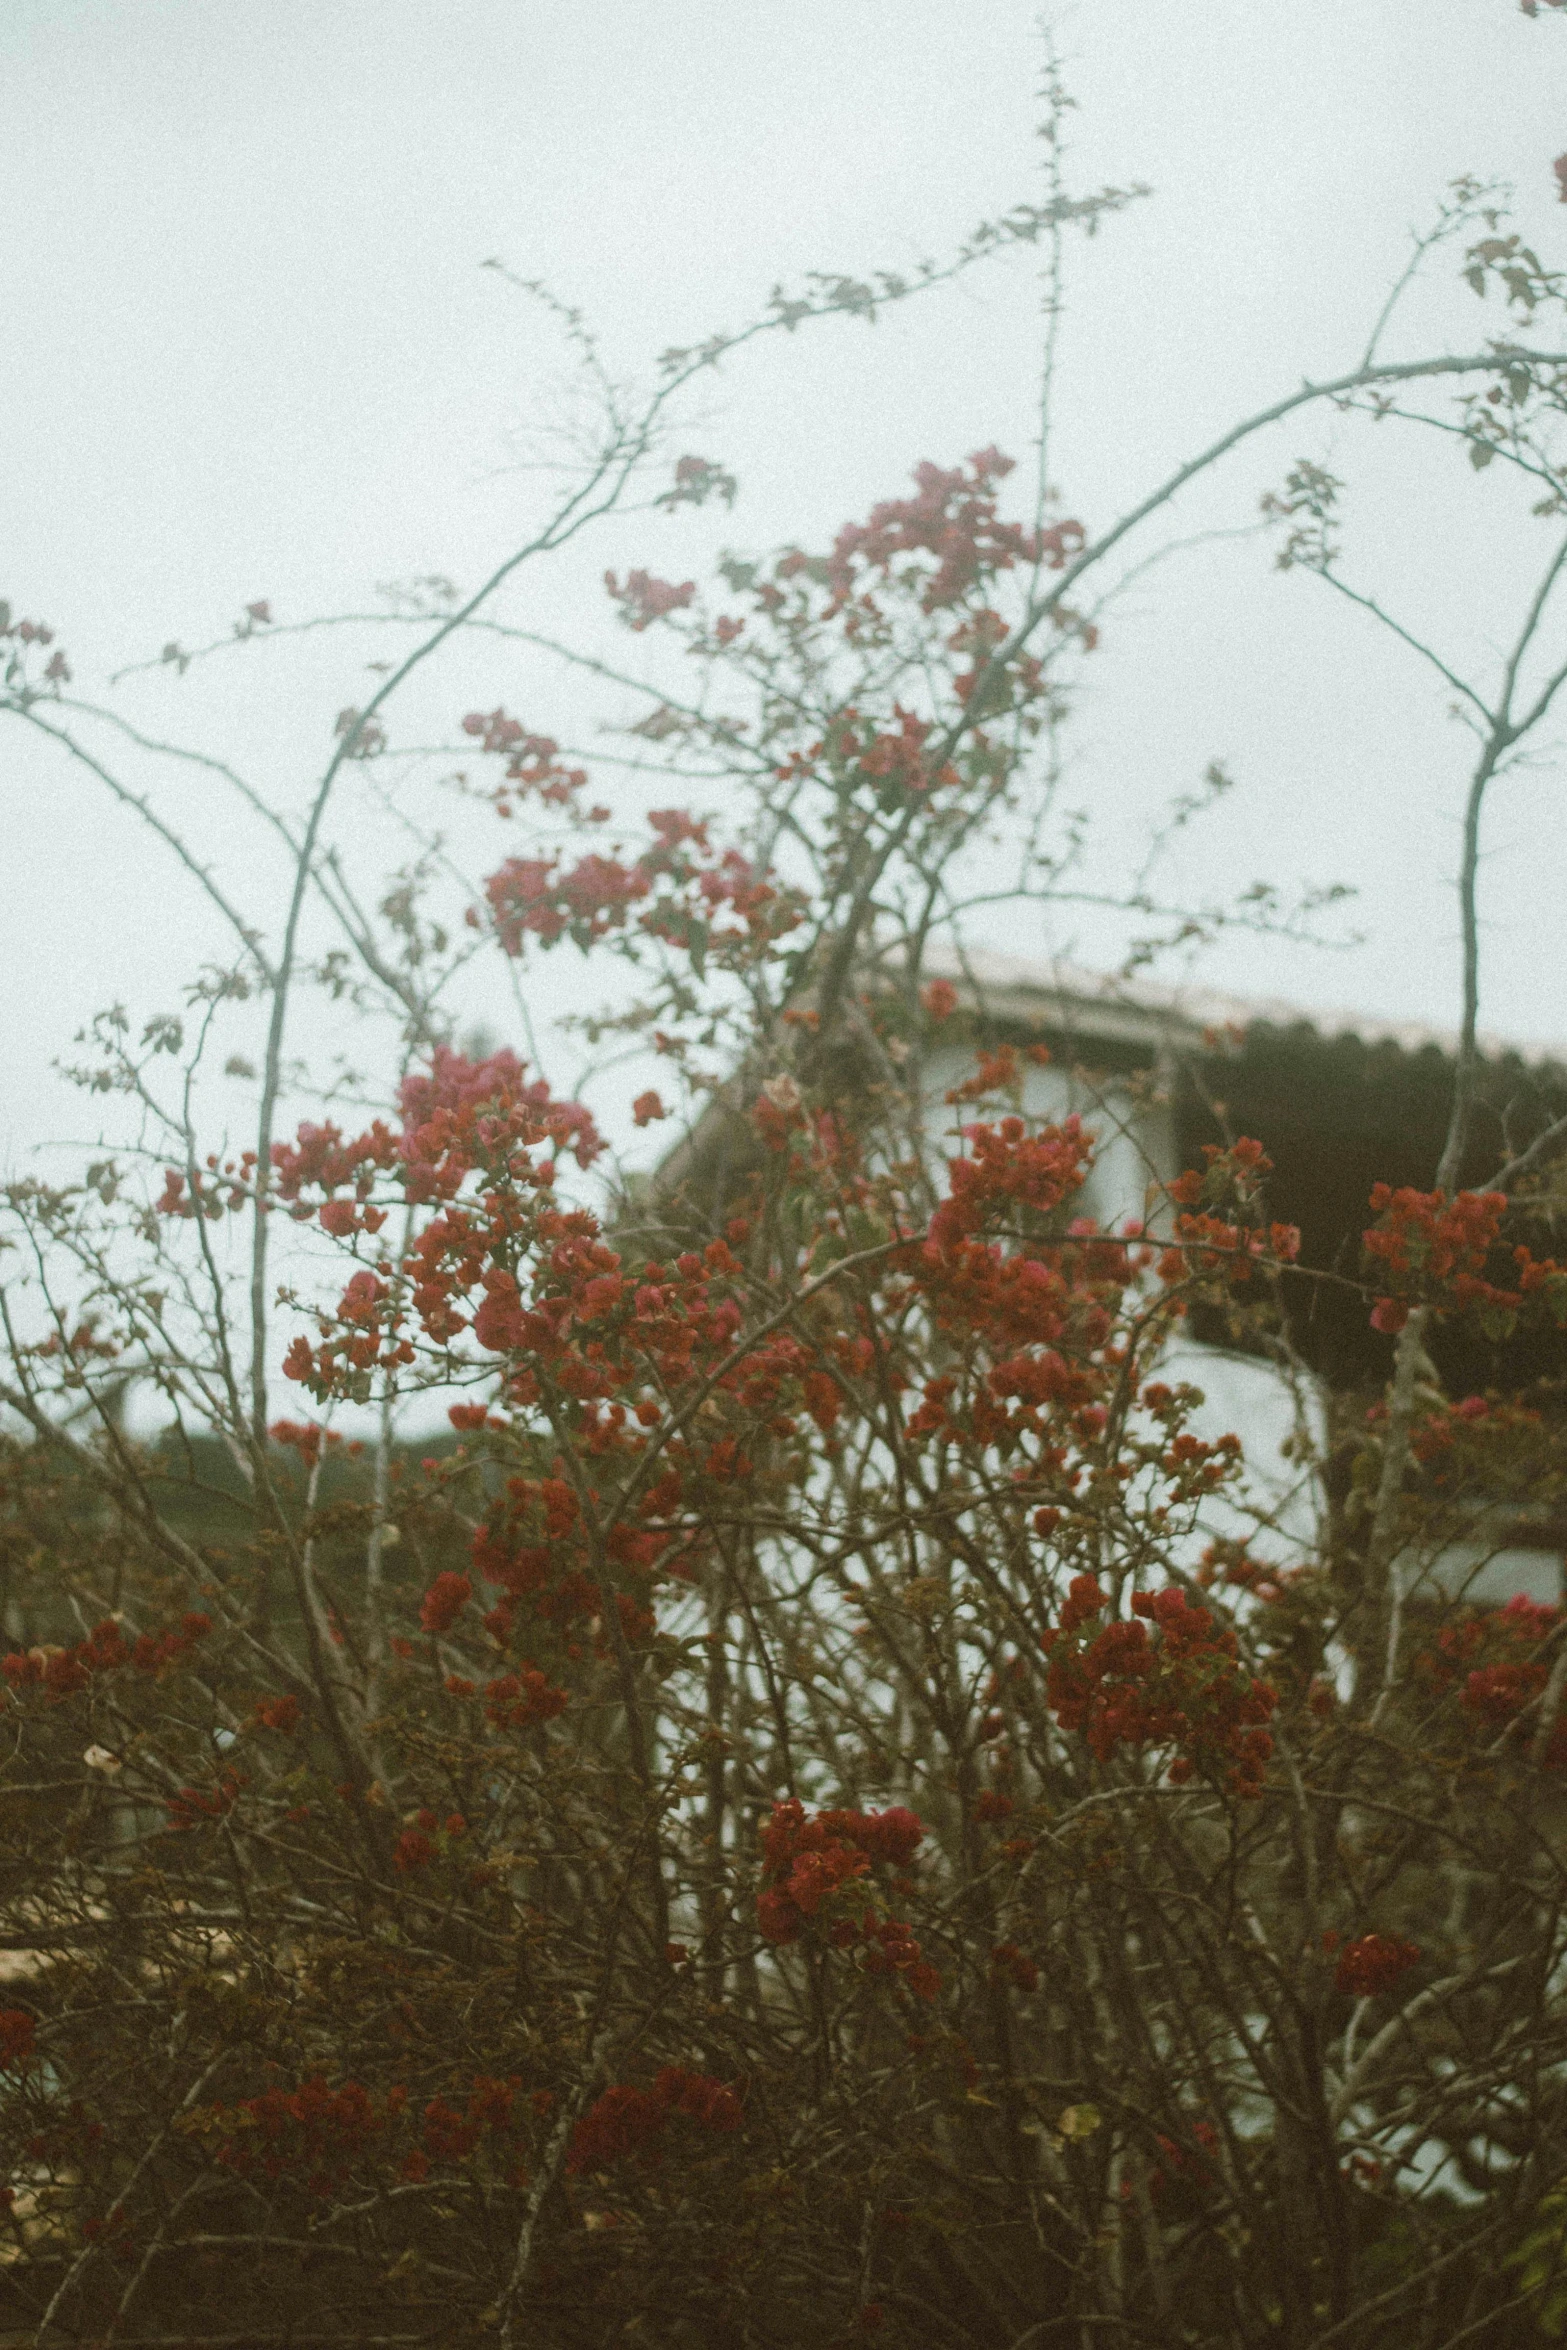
(1339, 1100)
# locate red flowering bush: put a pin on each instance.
(763, 1768)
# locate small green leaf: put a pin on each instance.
(1079, 2121)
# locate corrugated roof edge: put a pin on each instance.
(1095, 1002)
(1086, 1006)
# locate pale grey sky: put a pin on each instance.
(249, 350)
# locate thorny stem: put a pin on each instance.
(150, 2154)
(1041, 607)
(576, 512)
(1050, 133)
(1502, 733)
(597, 496)
(1261, 2018)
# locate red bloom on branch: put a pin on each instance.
(627, 2121)
(806, 1862)
(952, 516)
(277, 1713)
(18, 2031)
(194, 1807)
(63, 1672)
(1008, 1168)
(1168, 1675)
(696, 480)
(1438, 1252)
(444, 1602)
(645, 599)
(522, 1699)
(1011, 1965)
(1373, 1963)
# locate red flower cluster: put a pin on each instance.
(444, 1602)
(590, 899)
(888, 1948)
(1194, 2163)
(1179, 1684)
(778, 1114)
(1234, 1173)
(214, 1188)
(368, 1321)
(627, 2121)
(1228, 1237)
(806, 1861)
(154, 1650)
(1023, 680)
(461, 1114)
(1434, 1251)
(645, 599)
(696, 480)
(26, 632)
(1041, 1308)
(996, 1070)
(454, 1135)
(1447, 1423)
(80, 1344)
(322, 2135)
(303, 1437)
(61, 1672)
(539, 1286)
(1212, 1244)
(319, 1159)
(894, 761)
(1500, 1654)
(1372, 1964)
(18, 2032)
(683, 886)
(519, 1700)
(533, 769)
(1042, 1294)
(1009, 1168)
(448, 2135)
(416, 1847)
(193, 1807)
(1009, 1964)
(952, 517)
(276, 1713)
(313, 2129)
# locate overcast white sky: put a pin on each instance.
(249, 350)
